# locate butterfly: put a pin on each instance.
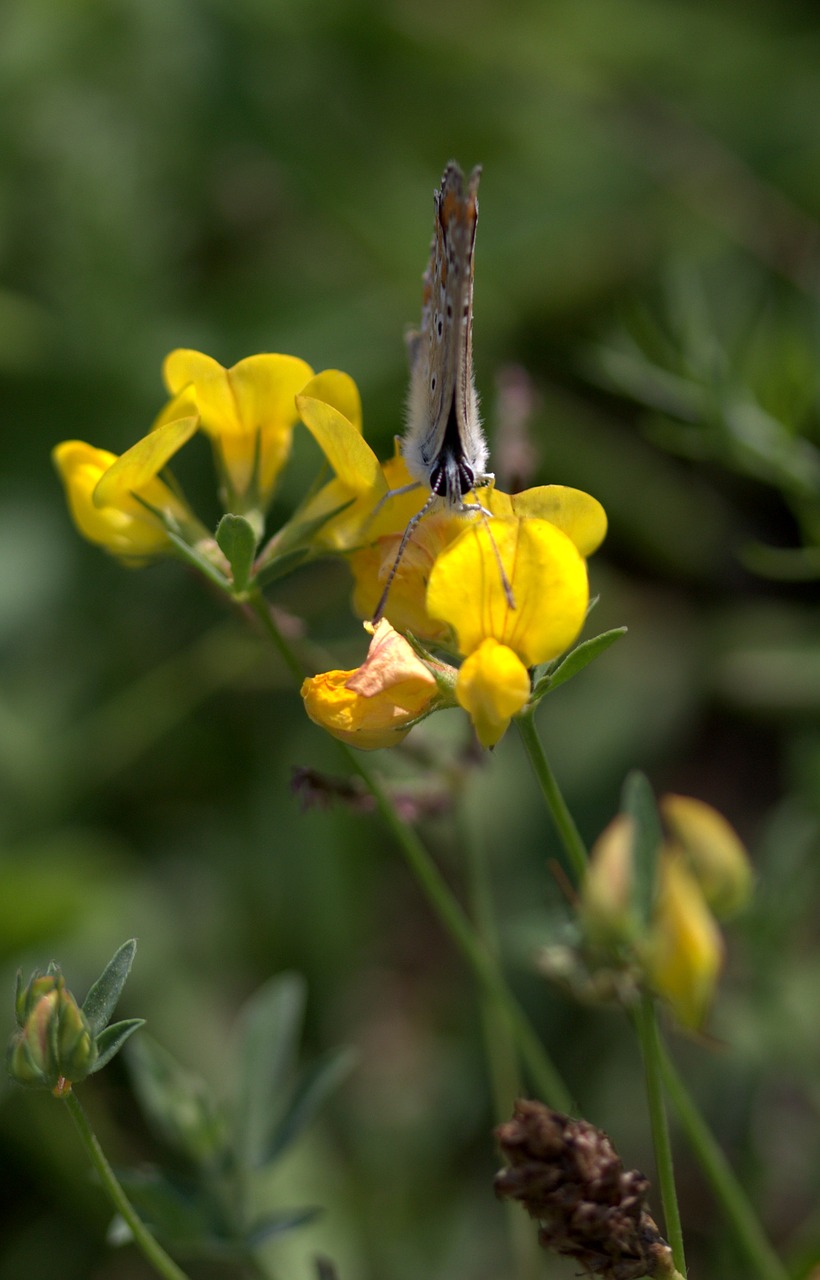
(443, 444)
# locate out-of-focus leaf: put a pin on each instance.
(271, 1023)
(276, 1224)
(314, 1087)
(177, 1103)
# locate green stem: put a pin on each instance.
(153, 1251)
(649, 1036)
(257, 603)
(500, 1049)
(574, 846)
(543, 1073)
(749, 1233)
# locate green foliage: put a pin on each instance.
(211, 1204)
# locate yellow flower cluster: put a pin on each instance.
(503, 594)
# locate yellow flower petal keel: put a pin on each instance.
(493, 685)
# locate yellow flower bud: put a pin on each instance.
(685, 949)
(606, 908)
(713, 851)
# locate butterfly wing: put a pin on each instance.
(442, 401)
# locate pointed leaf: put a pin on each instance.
(576, 660)
(638, 802)
(271, 1026)
(237, 541)
(101, 1000)
(276, 1224)
(314, 1087)
(112, 1038)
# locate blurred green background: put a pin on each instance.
(258, 176)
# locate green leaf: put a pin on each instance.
(276, 1224)
(638, 802)
(101, 1000)
(314, 1087)
(112, 1038)
(576, 660)
(177, 1104)
(175, 1210)
(237, 541)
(271, 1023)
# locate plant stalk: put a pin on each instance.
(151, 1249)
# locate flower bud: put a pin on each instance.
(55, 1046)
(685, 948)
(713, 851)
(606, 907)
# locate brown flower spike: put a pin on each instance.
(568, 1175)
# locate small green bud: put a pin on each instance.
(54, 1047)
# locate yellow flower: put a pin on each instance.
(685, 948)
(375, 705)
(249, 411)
(548, 579)
(119, 503)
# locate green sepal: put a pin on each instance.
(237, 542)
(314, 1086)
(102, 998)
(112, 1038)
(189, 555)
(638, 803)
(271, 1023)
(282, 565)
(293, 544)
(575, 661)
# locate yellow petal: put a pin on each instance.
(686, 949)
(493, 686)
(713, 850)
(135, 468)
(353, 461)
(577, 514)
(339, 390)
(210, 386)
(548, 580)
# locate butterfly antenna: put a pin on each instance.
(411, 524)
(505, 582)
